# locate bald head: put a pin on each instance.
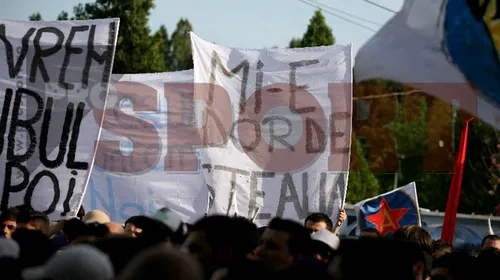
(115, 228)
(162, 263)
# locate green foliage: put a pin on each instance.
(180, 52)
(318, 33)
(138, 50)
(63, 16)
(362, 183)
(35, 17)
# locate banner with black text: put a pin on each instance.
(275, 128)
(54, 78)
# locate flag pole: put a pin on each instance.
(450, 215)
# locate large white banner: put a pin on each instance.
(144, 159)
(276, 128)
(54, 78)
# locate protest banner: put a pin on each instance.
(52, 76)
(141, 163)
(276, 128)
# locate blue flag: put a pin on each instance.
(389, 211)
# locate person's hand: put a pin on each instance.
(342, 217)
(340, 221)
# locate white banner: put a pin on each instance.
(145, 160)
(276, 127)
(54, 78)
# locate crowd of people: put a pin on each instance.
(216, 247)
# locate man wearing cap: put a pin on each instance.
(324, 244)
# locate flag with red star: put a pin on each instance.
(389, 211)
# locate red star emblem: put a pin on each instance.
(386, 219)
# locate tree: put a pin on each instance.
(318, 33)
(63, 16)
(180, 57)
(137, 50)
(362, 182)
(36, 17)
(162, 35)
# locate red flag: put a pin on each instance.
(450, 216)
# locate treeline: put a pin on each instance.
(416, 130)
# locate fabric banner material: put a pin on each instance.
(389, 211)
(54, 79)
(449, 49)
(143, 162)
(275, 127)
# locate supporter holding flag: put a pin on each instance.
(390, 211)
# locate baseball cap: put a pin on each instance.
(77, 262)
(96, 216)
(168, 217)
(327, 237)
(9, 248)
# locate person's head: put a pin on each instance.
(37, 221)
(24, 215)
(121, 249)
(8, 221)
(173, 221)
(416, 235)
(457, 266)
(490, 241)
(371, 258)
(488, 260)
(162, 263)
(246, 270)
(115, 228)
(218, 241)
(96, 216)
(77, 262)
(133, 226)
(282, 243)
(317, 221)
(149, 229)
(440, 248)
(73, 229)
(369, 233)
(323, 245)
(35, 247)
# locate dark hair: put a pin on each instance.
(120, 249)
(440, 248)
(372, 230)
(36, 215)
(240, 233)
(376, 253)
(299, 236)
(320, 217)
(97, 230)
(81, 212)
(417, 235)
(248, 235)
(9, 214)
(35, 247)
(153, 231)
(492, 237)
(73, 229)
